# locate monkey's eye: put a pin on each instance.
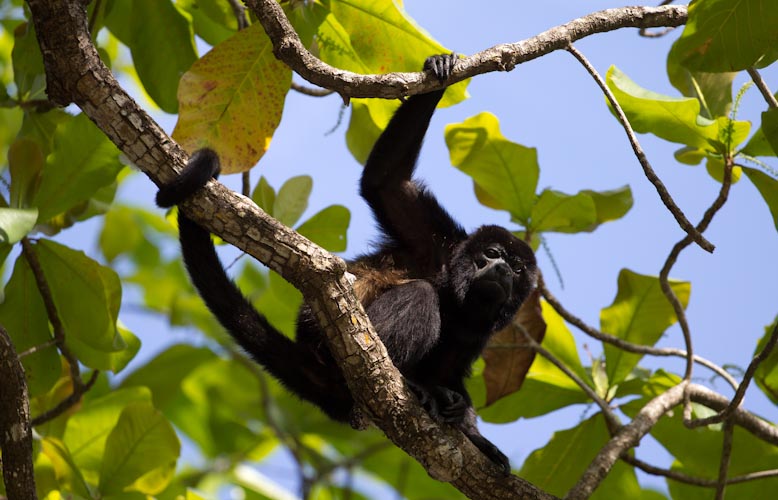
(492, 253)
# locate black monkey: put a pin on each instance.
(434, 293)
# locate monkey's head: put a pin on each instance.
(491, 274)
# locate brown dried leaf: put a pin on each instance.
(507, 356)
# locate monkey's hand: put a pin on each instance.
(442, 404)
(441, 65)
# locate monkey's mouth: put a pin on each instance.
(494, 293)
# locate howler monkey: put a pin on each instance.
(434, 293)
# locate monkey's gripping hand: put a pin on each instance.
(441, 65)
(442, 404)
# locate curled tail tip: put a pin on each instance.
(206, 158)
(203, 165)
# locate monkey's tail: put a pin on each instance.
(293, 364)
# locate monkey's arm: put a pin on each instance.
(406, 211)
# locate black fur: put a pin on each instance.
(434, 293)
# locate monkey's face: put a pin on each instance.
(492, 272)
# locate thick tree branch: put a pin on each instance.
(15, 429)
(504, 57)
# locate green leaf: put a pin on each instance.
(213, 406)
(161, 41)
(766, 375)
(142, 444)
(99, 359)
(506, 171)
(327, 228)
(165, 373)
(610, 205)
(770, 128)
(83, 161)
(292, 199)
(25, 162)
(362, 131)
(23, 315)
(546, 388)
(673, 119)
(713, 90)
(768, 188)
(556, 467)
(375, 37)
(764, 142)
(715, 167)
(16, 223)
(729, 35)
(394, 467)
(28, 71)
(86, 294)
(559, 212)
(232, 98)
(280, 304)
(689, 155)
(640, 313)
(213, 20)
(87, 430)
(264, 195)
(68, 474)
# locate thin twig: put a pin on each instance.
(290, 441)
(726, 454)
(623, 344)
(696, 481)
(741, 390)
(239, 11)
(761, 429)
(762, 86)
(311, 91)
(51, 310)
(245, 189)
(668, 473)
(611, 419)
(66, 403)
(79, 388)
(664, 274)
(656, 34)
(38, 348)
(641, 156)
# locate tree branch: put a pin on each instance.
(648, 171)
(15, 429)
(504, 57)
(762, 86)
(741, 390)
